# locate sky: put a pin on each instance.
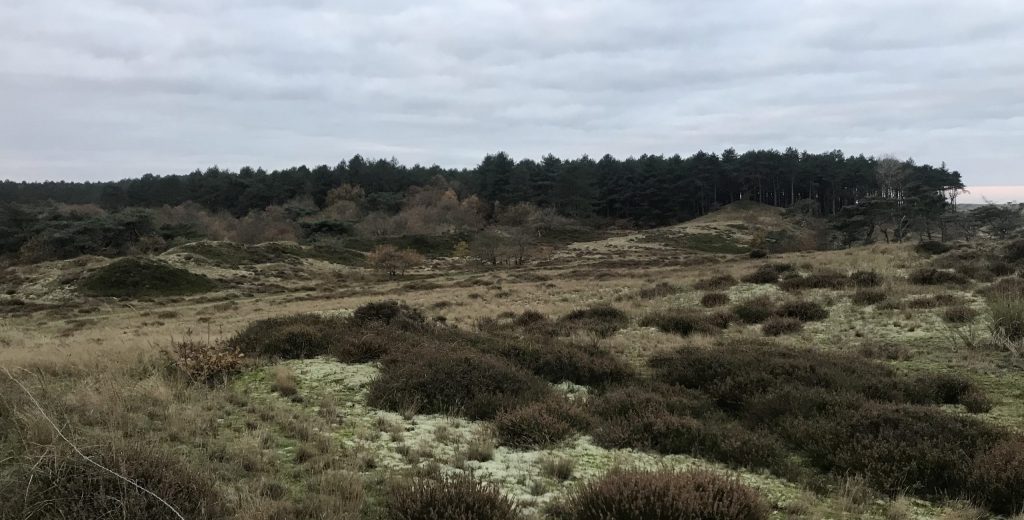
(108, 89)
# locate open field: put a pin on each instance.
(711, 355)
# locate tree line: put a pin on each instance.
(648, 190)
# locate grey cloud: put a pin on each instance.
(115, 88)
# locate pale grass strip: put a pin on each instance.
(83, 455)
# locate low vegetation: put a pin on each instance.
(138, 278)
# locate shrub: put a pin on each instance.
(660, 290)
(898, 448)
(1014, 251)
(762, 275)
(389, 312)
(457, 380)
(754, 310)
(540, 424)
(779, 325)
(558, 468)
(205, 362)
(932, 247)
(679, 321)
(714, 299)
(138, 278)
(803, 310)
(818, 280)
(716, 283)
(959, 314)
(58, 483)
(866, 279)
(602, 320)
(557, 361)
(289, 337)
(655, 495)
(930, 276)
(884, 351)
(448, 498)
(393, 261)
(997, 477)
(529, 318)
(758, 253)
(868, 297)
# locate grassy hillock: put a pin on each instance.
(139, 278)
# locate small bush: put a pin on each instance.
(448, 379)
(959, 314)
(932, 247)
(558, 361)
(754, 310)
(558, 468)
(662, 495)
(884, 351)
(714, 299)
(758, 253)
(716, 283)
(997, 477)
(289, 337)
(205, 362)
(866, 279)
(602, 320)
(818, 280)
(139, 278)
(540, 424)
(803, 310)
(762, 275)
(679, 321)
(449, 498)
(1014, 251)
(868, 297)
(779, 325)
(930, 276)
(660, 290)
(389, 312)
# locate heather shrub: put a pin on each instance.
(289, 337)
(762, 275)
(659, 290)
(932, 247)
(898, 448)
(825, 279)
(716, 283)
(57, 483)
(679, 321)
(1014, 251)
(779, 325)
(754, 310)
(139, 277)
(633, 494)
(389, 312)
(448, 498)
(884, 350)
(558, 361)
(757, 253)
(455, 380)
(868, 297)
(529, 318)
(997, 477)
(866, 279)
(602, 320)
(540, 424)
(802, 310)
(930, 276)
(714, 299)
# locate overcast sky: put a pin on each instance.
(106, 89)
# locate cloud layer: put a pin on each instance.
(115, 88)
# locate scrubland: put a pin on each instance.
(612, 379)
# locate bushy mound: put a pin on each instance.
(389, 312)
(998, 477)
(932, 247)
(455, 380)
(140, 278)
(823, 279)
(448, 498)
(681, 321)
(803, 310)
(929, 276)
(602, 320)
(714, 299)
(779, 325)
(558, 361)
(662, 495)
(754, 310)
(59, 484)
(540, 424)
(290, 337)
